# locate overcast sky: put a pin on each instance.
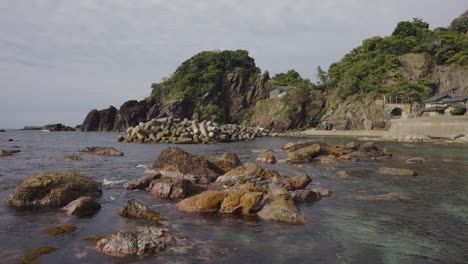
(59, 59)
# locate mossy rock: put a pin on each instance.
(52, 190)
(95, 238)
(73, 158)
(59, 230)
(228, 161)
(248, 172)
(32, 257)
(136, 209)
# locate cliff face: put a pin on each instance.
(451, 79)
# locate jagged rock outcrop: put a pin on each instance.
(130, 114)
(102, 120)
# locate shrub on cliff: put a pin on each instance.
(373, 67)
(458, 110)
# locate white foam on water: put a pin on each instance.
(112, 182)
(142, 166)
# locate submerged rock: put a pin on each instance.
(8, 152)
(141, 241)
(176, 163)
(305, 196)
(381, 197)
(416, 160)
(83, 206)
(52, 190)
(60, 230)
(102, 151)
(33, 256)
(228, 161)
(73, 158)
(267, 157)
(342, 174)
(397, 172)
(136, 209)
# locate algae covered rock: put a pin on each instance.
(83, 206)
(228, 161)
(52, 190)
(176, 163)
(102, 151)
(397, 172)
(143, 182)
(141, 241)
(136, 209)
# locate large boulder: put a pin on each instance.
(91, 122)
(136, 209)
(141, 241)
(52, 190)
(248, 172)
(102, 151)
(228, 161)
(176, 163)
(83, 206)
(397, 172)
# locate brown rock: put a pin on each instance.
(102, 151)
(205, 202)
(228, 161)
(83, 206)
(342, 174)
(300, 181)
(267, 157)
(52, 190)
(176, 163)
(304, 155)
(330, 159)
(171, 188)
(282, 209)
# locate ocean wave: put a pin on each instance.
(113, 182)
(142, 166)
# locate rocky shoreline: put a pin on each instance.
(198, 185)
(184, 131)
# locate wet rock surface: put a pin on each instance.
(267, 157)
(52, 190)
(141, 241)
(83, 206)
(136, 209)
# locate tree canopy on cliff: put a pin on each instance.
(204, 74)
(373, 67)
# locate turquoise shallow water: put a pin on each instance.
(431, 227)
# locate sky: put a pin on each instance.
(59, 59)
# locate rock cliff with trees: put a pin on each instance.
(414, 62)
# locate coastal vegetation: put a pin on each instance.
(374, 67)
